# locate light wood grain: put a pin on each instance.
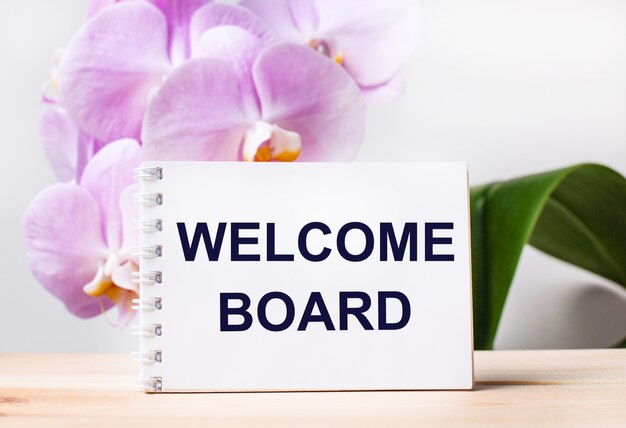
(515, 388)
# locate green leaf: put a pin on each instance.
(576, 214)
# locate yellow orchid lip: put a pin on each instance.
(265, 154)
(113, 293)
(106, 288)
(102, 285)
(286, 156)
(266, 142)
(324, 48)
(99, 288)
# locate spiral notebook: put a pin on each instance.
(303, 276)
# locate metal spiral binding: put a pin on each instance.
(148, 174)
(151, 384)
(149, 357)
(151, 330)
(148, 199)
(150, 226)
(151, 304)
(150, 251)
(148, 278)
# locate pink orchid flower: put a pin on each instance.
(120, 55)
(178, 14)
(78, 236)
(242, 98)
(96, 6)
(123, 53)
(68, 148)
(372, 39)
(238, 97)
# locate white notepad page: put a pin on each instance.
(433, 350)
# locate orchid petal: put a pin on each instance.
(97, 6)
(305, 16)
(59, 136)
(304, 92)
(375, 38)
(198, 114)
(130, 212)
(216, 15)
(88, 146)
(106, 176)
(277, 15)
(64, 245)
(68, 149)
(385, 92)
(239, 48)
(179, 14)
(110, 68)
(122, 298)
(234, 45)
(123, 277)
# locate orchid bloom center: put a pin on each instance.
(102, 284)
(324, 48)
(265, 142)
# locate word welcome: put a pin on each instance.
(387, 240)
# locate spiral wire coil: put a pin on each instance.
(148, 278)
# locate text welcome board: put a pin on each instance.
(244, 247)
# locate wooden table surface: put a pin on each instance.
(513, 388)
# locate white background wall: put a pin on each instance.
(512, 87)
